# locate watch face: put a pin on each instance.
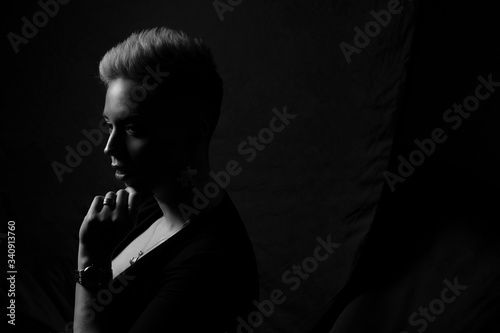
(93, 277)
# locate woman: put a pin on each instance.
(178, 262)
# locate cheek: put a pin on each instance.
(157, 155)
(138, 149)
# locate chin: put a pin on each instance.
(151, 184)
(138, 186)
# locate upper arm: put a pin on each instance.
(193, 294)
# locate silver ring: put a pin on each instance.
(109, 202)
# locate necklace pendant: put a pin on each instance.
(133, 260)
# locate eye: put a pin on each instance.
(133, 129)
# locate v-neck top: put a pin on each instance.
(201, 279)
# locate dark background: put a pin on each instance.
(323, 175)
(441, 222)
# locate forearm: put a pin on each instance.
(88, 316)
(107, 222)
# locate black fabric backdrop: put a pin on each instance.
(441, 223)
(322, 176)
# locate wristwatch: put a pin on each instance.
(92, 277)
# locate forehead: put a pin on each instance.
(122, 99)
(118, 96)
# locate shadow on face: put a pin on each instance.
(148, 141)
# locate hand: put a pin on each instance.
(105, 226)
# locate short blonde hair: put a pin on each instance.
(193, 79)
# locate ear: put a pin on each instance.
(204, 129)
(200, 133)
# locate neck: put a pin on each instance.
(170, 198)
(169, 208)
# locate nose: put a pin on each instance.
(112, 145)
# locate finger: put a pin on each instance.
(110, 196)
(96, 205)
(134, 201)
(122, 202)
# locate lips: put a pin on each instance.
(121, 172)
(119, 167)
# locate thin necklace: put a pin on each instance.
(133, 260)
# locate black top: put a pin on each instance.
(199, 280)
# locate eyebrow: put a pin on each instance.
(133, 116)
